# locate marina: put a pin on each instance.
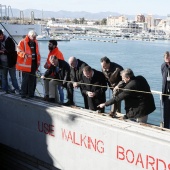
(36, 134)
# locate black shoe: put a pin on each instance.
(125, 117)
(46, 98)
(112, 114)
(68, 103)
(23, 96)
(52, 100)
(30, 97)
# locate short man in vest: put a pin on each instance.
(28, 61)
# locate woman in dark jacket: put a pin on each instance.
(138, 104)
(165, 69)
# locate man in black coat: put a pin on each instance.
(8, 58)
(138, 104)
(59, 71)
(165, 70)
(76, 72)
(94, 87)
(111, 72)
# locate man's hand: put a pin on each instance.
(101, 105)
(90, 94)
(42, 77)
(75, 85)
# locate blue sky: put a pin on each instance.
(160, 7)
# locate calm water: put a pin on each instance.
(143, 57)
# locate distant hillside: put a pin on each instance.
(69, 14)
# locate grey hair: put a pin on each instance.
(32, 33)
(128, 73)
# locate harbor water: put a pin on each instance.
(143, 57)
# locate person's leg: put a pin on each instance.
(31, 84)
(52, 91)
(70, 92)
(12, 73)
(61, 93)
(24, 84)
(4, 75)
(166, 112)
(142, 119)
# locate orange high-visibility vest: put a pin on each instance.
(23, 49)
(55, 52)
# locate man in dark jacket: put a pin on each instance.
(111, 72)
(93, 82)
(139, 101)
(76, 72)
(165, 70)
(60, 73)
(8, 58)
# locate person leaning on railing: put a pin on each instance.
(139, 101)
(111, 72)
(59, 71)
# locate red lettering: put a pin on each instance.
(45, 128)
(120, 152)
(101, 148)
(82, 140)
(169, 166)
(74, 139)
(51, 130)
(90, 143)
(40, 130)
(139, 159)
(158, 164)
(132, 156)
(150, 162)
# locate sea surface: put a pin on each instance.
(143, 57)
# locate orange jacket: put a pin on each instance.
(24, 64)
(55, 52)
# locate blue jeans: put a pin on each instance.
(61, 93)
(12, 73)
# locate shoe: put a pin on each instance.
(52, 100)
(125, 117)
(46, 98)
(112, 114)
(17, 91)
(30, 97)
(23, 96)
(68, 103)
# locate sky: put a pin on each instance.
(131, 7)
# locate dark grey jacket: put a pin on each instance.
(137, 104)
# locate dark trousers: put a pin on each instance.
(70, 92)
(29, 81)
(93, 105)
(166, 112)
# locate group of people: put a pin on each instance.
(75, 73)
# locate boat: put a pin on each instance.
(17, 29)
(43, 38)
(40, 135)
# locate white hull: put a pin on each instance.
(20, 29)
(77, 139)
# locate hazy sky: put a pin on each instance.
(160, 7)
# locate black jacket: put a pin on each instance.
(113, 75)
(76, 74)
(61, 72)
(97, 79)
(137, 104)
(164, 71)
(10, 51)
